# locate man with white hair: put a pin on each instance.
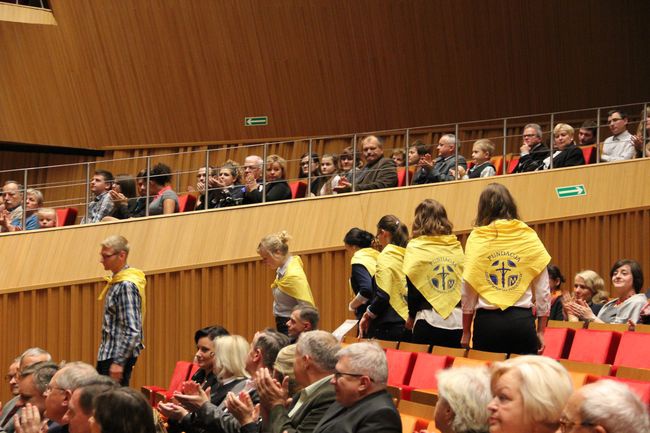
(440, 169)
(362, 403)
(533, 150)
(59, 391)
(605, 406)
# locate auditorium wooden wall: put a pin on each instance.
(120, 73)
(203, 268)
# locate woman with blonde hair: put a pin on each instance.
(433, 264)
(276, 187)
(566, 153)
(588, 287)
(290, 287)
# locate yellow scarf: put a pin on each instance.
(391, 279)
(366, 257)
(502, 259)
(133, 275)
(434, 264)
(294, 282)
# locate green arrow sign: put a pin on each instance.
(256, 121)
(570, 191)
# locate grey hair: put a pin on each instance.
(117, 243)
(269, 342)
(614, 406)
(321, 346)
(75, 374)
(42, 372)
(467, 391)
(258, 160)
(452, 138)
(34, 351)
(308, 314)
(36, 193)
(368, 359)
(536, 127)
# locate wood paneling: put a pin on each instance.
(120, 73)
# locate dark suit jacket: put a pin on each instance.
(373, 414)
(6, 418)
(533, 160)
(440, 170)
(307, 416)
(382, 174)
(569, 157)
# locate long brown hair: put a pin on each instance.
(398, 230)
(495, 203)
(431, 219)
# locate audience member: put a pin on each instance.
(59, 391)
(605, 406)
(228, 192)
(12, 406)
(135, 414)
(641, 139)
(47, 218)
(379, 172)
(102, 205)
(123, 310)
(33, 202)
(80, 406)
(440, 169)
(533, 150)
(204, 357)
(566, 154)
(505, 262)
(433, 264)
(619, 146)
(423, 153)
(463, 396)
(12, 372)
(412, 154)
(314, 367)
(276, 187)
(385, 317)
(627, 282)
(203, 177)
(140, 209)
(304, 318)
(290, 287)
(346, 164)
(362, 403)
(529, 394)
(399, 157)
(164, 200)
(589, 287)
(587, 133)
(558, 295)
(12, 194)
(283, 368)
(309, 166)
(482, 152)
(33, 384)
(364, 265)
(124, 196)
(329, 179)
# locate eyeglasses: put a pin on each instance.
(530, 135)
(8, 377)
(339, 374)
(345, 158)
(108, 256)
(50, 388)
(566, 425)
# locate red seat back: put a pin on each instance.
(594, 346)
(400, 366)
(181, 374)
(513, 163)
(186, 203)
(66, 216)
(633, 350)
(298, 189)
(401, 176)
(589, 152)
(425, 369)
(558, 342)
(497, 162)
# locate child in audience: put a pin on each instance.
(46, 218)
(329, 178)
(399, 157)
(482, 152)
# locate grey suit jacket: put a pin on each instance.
(375, 413)
(307, 416)
(6, 417)
(382, 174)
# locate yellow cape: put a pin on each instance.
(434, 264)
(294, 282)
(390, 278)
(366, 257)
(502, 259)
(133, 275)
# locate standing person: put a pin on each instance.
(505, 262)
(385, 317)
(124, 307)
(290, 287)
(433, 264)
(364, 265)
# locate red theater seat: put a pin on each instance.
(597, 347)
(400, 366)
(298, 189)
(558, 342)
(186, 203)
(589, 152)
(513, 163)
(182, 372)
(633, 350)
(497, 161)
(424, 373)
(66, 216)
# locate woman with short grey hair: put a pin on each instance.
(464, 394)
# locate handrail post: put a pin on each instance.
(407, 137)
(505, 145)
(23, 217)
(309, 149)
(458, 144)
(208, 172)
(644, 128)
(598, 136)
(551, 142)
(266, 151)
(87, 190)
(148, 185)
(354, 162)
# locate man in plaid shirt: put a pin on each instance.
(123, 311)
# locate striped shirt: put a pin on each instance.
(122, 324)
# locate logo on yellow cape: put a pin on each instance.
(502, 274)
(443, 275)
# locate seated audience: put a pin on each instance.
(587, 133)
(399, 157)
(379, 172)
(362, 402)
(364, 265)
(627, 282)
(566, 153)
(11, 407)
(463, 396)
(124, 196)
(122, 410)
(346, 164)
(102, 205)
(482, 152)
(413, 155)
(164, 200)
(440, 169)
(643, 133)
(12, 195)
(283, 368)
(80, 406)
(276, 187)
(558, 294)
(140, 209)
(529, 394)
(202, 177)
(33, 385)
(303, 318)
(204, 339)
(588, 287)
(619, 146)
(227, 190)
(47, 218)
(329, 179)
(33, 203)
(605, 406)
(423, 154)
(310, 167)
(12, 372)
(533, 150)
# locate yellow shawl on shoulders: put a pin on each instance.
(294, 282)
(391, 279)
(133, 275)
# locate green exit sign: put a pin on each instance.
(570, 191)
(256, 121)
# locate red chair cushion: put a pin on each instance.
(594, 346)
(558, 342)
(400, 366)
(186, 203)
(298, 189)
(633, 350)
